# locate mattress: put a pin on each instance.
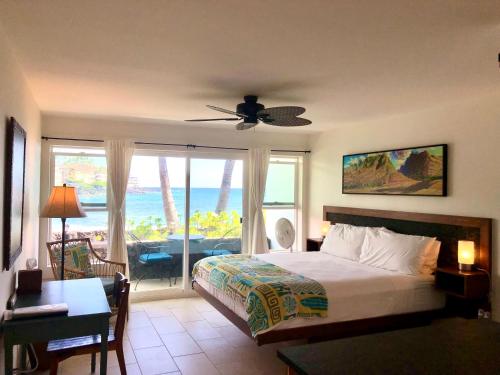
(354, 290)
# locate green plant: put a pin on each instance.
(209, 224)
(151, 228)
(212, 225)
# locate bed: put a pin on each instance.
(362, 298)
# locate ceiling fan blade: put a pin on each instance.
(246, 125)
(281, 112)
(214, 119)
(293, 121)
(226, 111)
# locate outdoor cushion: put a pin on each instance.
(210, 253)
(108, 283)
(155, 258)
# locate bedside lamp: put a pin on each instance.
(465, 255)
(325, 227)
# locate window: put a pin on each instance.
(85, 169)
(280, 198)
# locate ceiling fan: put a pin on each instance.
(250, 113)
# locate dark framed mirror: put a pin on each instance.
(15, 153)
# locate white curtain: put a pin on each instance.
(118, 159)
(257, 166)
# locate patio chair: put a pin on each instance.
(82, 261)
(59, 350)
(218, 249)
(154, 257)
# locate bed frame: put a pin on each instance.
(448, 229)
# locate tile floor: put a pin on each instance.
(185, 336)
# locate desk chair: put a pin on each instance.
(59, 350)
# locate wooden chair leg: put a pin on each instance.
(121, 360)
(54, 364)
(92, 362)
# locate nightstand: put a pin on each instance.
(313, 244)
(466, 291)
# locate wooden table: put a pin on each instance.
(450, 346)
(88, 315)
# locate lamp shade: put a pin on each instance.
(63, 203)
(325, 227)
(466, 252)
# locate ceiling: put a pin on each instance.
(344, 60)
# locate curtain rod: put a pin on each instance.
(169, 144)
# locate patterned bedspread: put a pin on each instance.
(269, 293)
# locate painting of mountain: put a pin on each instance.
(408, 171)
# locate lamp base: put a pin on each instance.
(464, 267)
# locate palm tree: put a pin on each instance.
(167, 197)
(225, 187)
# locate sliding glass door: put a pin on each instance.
(162, 249)
(155, 219)
(216, 207)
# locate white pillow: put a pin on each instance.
(431, 255)
(430, 258)
(344, 241)
(394, 252)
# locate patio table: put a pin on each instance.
(180, 237)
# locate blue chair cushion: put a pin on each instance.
(210, 253)
(155, 258)
(108, 283)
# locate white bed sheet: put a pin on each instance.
(354, 290)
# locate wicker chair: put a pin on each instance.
(101, 268)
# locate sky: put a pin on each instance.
(205, 173)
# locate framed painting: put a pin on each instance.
(404, 171)
(15, 149)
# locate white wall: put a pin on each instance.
(16, 100)
(472, 131)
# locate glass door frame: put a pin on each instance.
(189, 154)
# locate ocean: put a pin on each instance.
(141, 205)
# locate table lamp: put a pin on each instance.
(63, 203)
(465, 255)
(325, 227)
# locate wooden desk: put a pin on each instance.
(450, 346)
(88, 315)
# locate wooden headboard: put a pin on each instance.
(446, 228)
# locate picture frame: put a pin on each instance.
(15, 158)
(411, 171)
